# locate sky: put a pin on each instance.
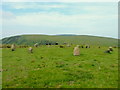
(51, 18)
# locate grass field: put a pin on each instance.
(1, 69)
(53, 67)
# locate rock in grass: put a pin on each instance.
(30, 49)
(13, 47)
(68, 45)
(110, 48)
(108, 51)
(36, 45)
(87, 46)
(76, 51)
(61, 46)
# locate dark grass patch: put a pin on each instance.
(79, 75)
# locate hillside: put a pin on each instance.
(75, 39)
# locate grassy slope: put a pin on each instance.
(57, 67)
(0, 68)
(91, 40)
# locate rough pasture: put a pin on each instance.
(0, 68)
(53, 67)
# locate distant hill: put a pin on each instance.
(66, 35)
(75, 39)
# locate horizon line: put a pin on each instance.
(62, 34)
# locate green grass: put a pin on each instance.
(53, 67)
(1, 69)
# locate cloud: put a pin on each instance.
(55, 18)
(35, 5)
(85, 19)
(55, 22)
(7, 15)
(63, 8)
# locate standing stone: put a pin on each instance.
(108, 51)
(68, 45)
(36, 45)
(30, 49)
(110, 48)
(76, 51)
(13, 47)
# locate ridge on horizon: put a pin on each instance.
(30, 39)
(61, 35)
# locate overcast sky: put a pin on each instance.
(81, 18)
